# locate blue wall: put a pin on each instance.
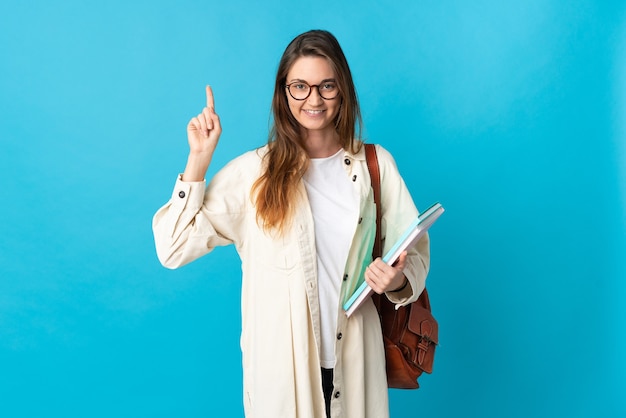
(513, 115)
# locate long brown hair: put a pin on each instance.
(286, 160)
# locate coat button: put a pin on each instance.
(345, 277)
(347, 161)
(337, 394)
(181, 194)
(354, 178)
(339, 336)
(360, 220)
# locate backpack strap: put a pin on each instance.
(372, 165)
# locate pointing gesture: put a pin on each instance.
(203, 132)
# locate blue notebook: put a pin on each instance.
(410, 237)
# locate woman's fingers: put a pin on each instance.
(206, 112)
(381, 277)
(210, 118)
(194, 124)
(204, 122)
(375, 268)
(372, 277)
(217, 125)
(210, 102)
(204, 130)
(401, 262)
(203, 127)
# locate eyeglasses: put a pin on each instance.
(300, 90)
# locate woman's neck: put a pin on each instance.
(321, 144)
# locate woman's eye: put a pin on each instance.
(328, 86)
(300, 86)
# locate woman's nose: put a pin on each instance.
(315, 98)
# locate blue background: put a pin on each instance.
(512, 114)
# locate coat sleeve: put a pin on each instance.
(197, 219)
(398, 212)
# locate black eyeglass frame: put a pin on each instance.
(288, 87)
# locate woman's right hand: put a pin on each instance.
(203, 133)
(204, 130)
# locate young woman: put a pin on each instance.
(301, 214)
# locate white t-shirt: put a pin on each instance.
(334, 204)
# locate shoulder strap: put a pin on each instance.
(372, 166)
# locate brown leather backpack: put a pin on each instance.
(410, 333)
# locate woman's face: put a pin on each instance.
(314, 113)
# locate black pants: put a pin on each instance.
(327, 385)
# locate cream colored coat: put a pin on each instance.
(280, 310)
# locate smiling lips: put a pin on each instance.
(313, 112)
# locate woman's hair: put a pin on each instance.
(276, 190)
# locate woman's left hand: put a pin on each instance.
(382, 277)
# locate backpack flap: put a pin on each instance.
(421, 337)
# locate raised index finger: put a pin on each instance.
(209, 98)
